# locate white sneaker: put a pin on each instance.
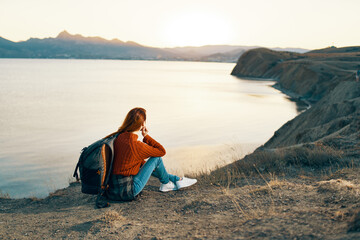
(170, 186)
(185, 182)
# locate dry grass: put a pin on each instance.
(112, 217)
(264, 179)
(4, 195)
(342, 184)
(58, 193)
(340, 187)
(249, 202)
(35, 199)
(246, 209)
(235, 202)
(276, 197)
(287, 161)
(257, 201)
(271, 186)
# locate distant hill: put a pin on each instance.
(337, 50)
(206, 50)
(231, 56)
(220, 53)
(298, 50)
(66, 45)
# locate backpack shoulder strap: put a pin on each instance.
(111, 149)
(76, 175)
(106, 150)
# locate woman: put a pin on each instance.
(130, 170)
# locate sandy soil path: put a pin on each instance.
(302, 208)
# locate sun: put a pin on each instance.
(197, 29)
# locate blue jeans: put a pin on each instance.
(154, 166)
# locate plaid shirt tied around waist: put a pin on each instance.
(121, 188)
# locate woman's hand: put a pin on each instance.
(144, 131)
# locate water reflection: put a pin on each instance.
(51, 109)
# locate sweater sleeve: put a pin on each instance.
(150, 148)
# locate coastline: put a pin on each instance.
(243, 151)
(291, 94)
(49, 181)
(294, 96)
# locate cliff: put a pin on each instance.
(324, 77)
(334, 121)
(309, 75)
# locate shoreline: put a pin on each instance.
(293, 96)
(239, 131)
(119, 59)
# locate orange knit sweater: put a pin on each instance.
(130, 154)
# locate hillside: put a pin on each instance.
(327, 79)
(334, 121)
(309, 75)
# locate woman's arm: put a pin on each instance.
(150, 148)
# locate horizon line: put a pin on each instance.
(153, 46)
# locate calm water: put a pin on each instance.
(51, 109)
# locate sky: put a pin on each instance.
(309, 24)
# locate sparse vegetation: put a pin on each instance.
(263, 204)
(4, 195)
(57, 193)
(290, 161)
(35, 199)
(110, 217)
(263, 184)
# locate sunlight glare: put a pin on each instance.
(197, 29)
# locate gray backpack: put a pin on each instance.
(95, 166)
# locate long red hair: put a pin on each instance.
(132, 122)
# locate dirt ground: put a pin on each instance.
(306, 207)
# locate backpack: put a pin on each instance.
(95, 166)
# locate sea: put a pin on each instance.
(51, 108)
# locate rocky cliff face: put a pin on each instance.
(309, 75)
(334, 121)
(326, 79)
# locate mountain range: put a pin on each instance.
(66, 45)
